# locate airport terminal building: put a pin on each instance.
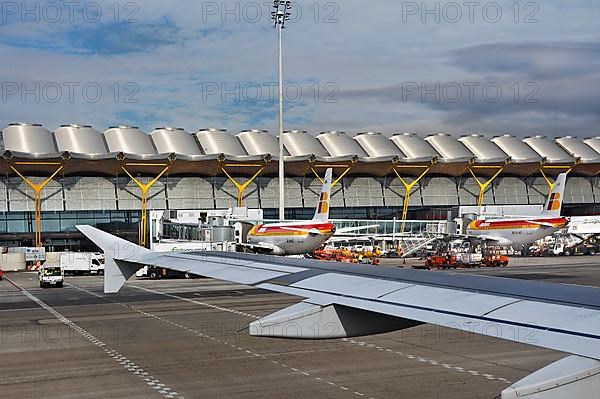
(54, 180)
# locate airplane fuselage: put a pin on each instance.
(291, 238)
(515, 233)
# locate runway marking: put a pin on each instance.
(208, 305)
(489, 377)
(12, 284)
(203, 335)
(127, 364)
(421, 359)
(458, 369)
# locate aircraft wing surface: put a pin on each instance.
(541, 223)
(344, 301)
(258, 246)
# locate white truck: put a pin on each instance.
(51, 275)
(560, 249)
(82, 263)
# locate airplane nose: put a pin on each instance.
(333, 229)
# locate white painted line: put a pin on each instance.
(208, 305)
(421, 359)
(110, 352)
(295, 370)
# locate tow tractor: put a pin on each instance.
(495, 260)
(462, 254)
(346, 256)
(447, 261)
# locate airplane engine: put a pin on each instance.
(277, 251)
(305, 320)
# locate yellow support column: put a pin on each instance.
(37, 190)
(339, 178)
(483, 185)
(144, 188)
(409, 186)
(567, 168)
(241, 187)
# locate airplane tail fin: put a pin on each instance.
(553, 204)
(322, 212)
(121, 257)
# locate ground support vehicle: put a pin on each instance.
(51, 275)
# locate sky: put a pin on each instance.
(488, 67)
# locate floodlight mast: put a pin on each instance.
(280, 14)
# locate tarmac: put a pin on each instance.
(188, 339)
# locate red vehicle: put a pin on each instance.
(1, 274)
(495, 260)
(337, 255)
(447, 261)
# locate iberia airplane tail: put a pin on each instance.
(322, 213)
(554, 202)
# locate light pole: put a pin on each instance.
(280, 14)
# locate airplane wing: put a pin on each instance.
(348, 239)
(484, 237)
(341, 301)
(308, 231)
(377, 238)
(258, 246)
(539, 223)
(489, 238)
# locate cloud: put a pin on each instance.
(107, 39)
(534, 60)
(119, 39)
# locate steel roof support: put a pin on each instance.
(37, 190)
(336, 181)
(567, 168)
(241, 187)
(409, 186)
(145, 188)
(483, 185)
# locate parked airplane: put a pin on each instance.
(295, 238)
(520, 231)
(343, 301)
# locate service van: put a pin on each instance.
(51, 275)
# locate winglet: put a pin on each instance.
(121, 257)
(554, 201)
(322, 212)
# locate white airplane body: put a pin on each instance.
(295, 238)
(517, 232)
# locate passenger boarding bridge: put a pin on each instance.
(190, 228)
